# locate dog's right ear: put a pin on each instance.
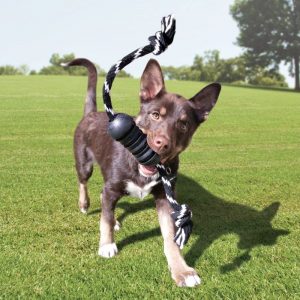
(152, 81)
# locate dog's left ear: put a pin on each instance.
(205, 100)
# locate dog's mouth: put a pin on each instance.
(147, 171)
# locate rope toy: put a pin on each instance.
(123, 128)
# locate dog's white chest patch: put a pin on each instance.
(139, 192)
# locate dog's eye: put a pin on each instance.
(183, 126)
(155, 115)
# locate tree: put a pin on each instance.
(9, 70)
(53, 70)
(56, 60)
(56, 68)
(264, 77)
(180, 73)
(212, 64)
(270, 32)
(232, 70)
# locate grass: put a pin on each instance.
(240, 175)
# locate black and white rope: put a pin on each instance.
(158, 43)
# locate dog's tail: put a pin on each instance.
(90, 100)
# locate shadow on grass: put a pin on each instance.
(214, 217)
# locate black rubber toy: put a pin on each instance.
(124, 130)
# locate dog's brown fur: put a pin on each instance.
(169, 120)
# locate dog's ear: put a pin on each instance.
(152, 81)
(205, 100)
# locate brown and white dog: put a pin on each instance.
(169, 120)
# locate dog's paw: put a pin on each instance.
(117, 226)
(189, 279)
(83, 210)
(108, 250)
(84, 206)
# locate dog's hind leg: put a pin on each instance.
(84, 168)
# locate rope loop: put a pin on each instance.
(162, 39)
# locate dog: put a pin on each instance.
(169, 121)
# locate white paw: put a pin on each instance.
(192, 280)
(117, 226)
(83, 210)
(188, 279)
(108, 250)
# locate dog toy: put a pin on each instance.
(122, 128)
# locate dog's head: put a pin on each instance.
(170, 120)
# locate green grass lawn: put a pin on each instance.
(240, 175)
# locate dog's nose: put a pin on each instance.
(161, 144)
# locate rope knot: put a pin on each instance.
(183, 221)
(162, 39)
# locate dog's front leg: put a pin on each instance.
(180, 271)
(107, 246)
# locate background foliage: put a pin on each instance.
(238, 70)
(270, 32)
